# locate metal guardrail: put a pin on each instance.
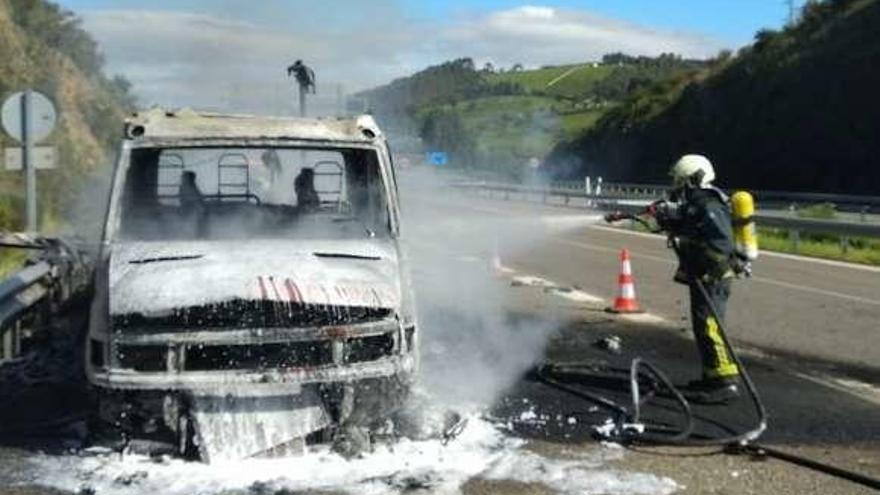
(628, 199)
(30, 296)
(18, 294)
(848, 202)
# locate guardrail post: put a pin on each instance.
(6, 344)
(794, 236)
(863, 213)
(844, 244)
(10, 344)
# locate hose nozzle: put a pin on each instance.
(615, 216)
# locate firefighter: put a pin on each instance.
(698, 217)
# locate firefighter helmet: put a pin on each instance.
(688, 167)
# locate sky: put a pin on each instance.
(232, 54)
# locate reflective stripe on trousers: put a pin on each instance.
(716, 360)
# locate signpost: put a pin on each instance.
(43, 158)
(28, 117)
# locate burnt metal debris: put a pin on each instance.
(56, 271)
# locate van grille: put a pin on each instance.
(255, 357)
(251, 314)
(259, 356)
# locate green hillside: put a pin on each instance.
(796, 110)
(566, 81)
(43, 47)
(502, 120)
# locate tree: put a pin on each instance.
(444, 130)
(763, 38)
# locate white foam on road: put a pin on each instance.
(578, 295)
(577, 477)
(581, 296)
(532, 281)
(482, 451)
(645, 318)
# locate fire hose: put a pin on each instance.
(630, 428)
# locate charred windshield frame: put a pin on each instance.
(363, 168)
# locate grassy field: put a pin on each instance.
(568, 81)
(865, 251)
(575, 123)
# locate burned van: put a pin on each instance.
(251, 294)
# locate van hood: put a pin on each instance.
(155, 278)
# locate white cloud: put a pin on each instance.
(543, 35)
(236, 58)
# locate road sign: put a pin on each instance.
(44, 158)
(438, 158)
(42, 110)
(28, 117)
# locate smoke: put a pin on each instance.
(475, 341)
(84, 214)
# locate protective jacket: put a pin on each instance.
(704, 229)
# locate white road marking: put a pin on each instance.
(770, 254)
(820, 261)
(578, 295)
(858, 389)
(764, 280)
(821, 292)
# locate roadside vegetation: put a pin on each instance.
(796, 110)
(43, 47)
(503, 119)
(854, 250)
(863, 250)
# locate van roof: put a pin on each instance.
(184, 124)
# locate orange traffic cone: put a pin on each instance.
(625, 302)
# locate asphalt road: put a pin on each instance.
(494, 286)
(822, 403)
(810, 308)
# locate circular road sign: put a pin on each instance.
(42, 112)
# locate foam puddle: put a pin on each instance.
(482, 450)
